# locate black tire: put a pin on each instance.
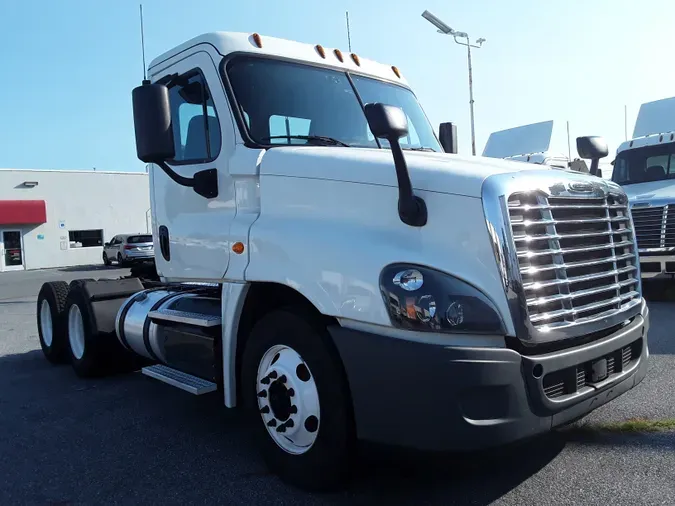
(54, 294)
(103, 354)
(325, 466)
(120, 262)
(106, 260)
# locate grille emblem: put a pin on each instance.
(580, 187)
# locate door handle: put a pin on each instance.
(164, 244)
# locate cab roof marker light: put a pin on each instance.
(257, 40)
(396, 71)
(355, 57)
(338, 55)
(320, 50)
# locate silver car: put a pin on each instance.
(128, 248)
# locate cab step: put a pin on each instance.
(196, 319)
(179, 379)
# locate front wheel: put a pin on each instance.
(106, 260)
(295, 388)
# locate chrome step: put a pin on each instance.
(182, 380)
(196, 319)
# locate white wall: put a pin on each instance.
(116, 202)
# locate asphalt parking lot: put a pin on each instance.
(132, 440)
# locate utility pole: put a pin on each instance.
(461, 38)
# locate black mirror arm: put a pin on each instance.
(595, 163)
(411, 209)
(181, 180)
(205, 182)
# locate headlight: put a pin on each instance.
(419, 298)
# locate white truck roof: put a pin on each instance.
(655, 124)
(232, 42)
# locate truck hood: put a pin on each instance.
(437, 172)
(651, 191)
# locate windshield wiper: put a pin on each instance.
(418, 149)
(310, 138)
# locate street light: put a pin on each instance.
(446, 30)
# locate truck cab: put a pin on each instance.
(332, 267)
(645, 167)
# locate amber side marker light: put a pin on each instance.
(355, 57)
(338, 55)
(398, 74)
(238, 248)
(320, 50)
(257, 40)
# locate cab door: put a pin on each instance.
(190, 231)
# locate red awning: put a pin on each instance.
(22, 212)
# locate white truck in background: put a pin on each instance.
(329, 265)
(531, 144)
(645, 167)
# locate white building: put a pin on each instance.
(58, 218)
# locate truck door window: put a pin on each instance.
(195, 123)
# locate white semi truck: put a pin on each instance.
(645, 167)
(329, 266)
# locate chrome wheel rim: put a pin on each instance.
(76, 331)
(288, 399)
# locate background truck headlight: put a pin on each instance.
(419, 298)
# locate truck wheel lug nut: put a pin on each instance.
(281, 428)
(272, 423)
(262, 393)
(290, 423)
(265, 381)
(293, 409)
(265, 409)
(272, 375)
(282, 378)
(291, 392)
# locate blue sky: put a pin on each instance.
(70, 65)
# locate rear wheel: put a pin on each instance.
(295, 390)
(51, 313)
(92, 353)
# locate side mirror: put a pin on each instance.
(592, 147)
(386, 121)
(447, 133)
(390, 123)
(152, 123)
(106, 244)
(154, 137)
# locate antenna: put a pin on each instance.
(349, 38)
(569, 150)
(145, 78)
(625, 122)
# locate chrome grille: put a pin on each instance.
(650, 226)
(576, 257)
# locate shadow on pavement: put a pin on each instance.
(398, 476)
(85, 268)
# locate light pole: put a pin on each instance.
(458, 36)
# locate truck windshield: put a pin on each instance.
(641, 165)
(286, 103)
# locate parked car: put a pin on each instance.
(128, 248)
